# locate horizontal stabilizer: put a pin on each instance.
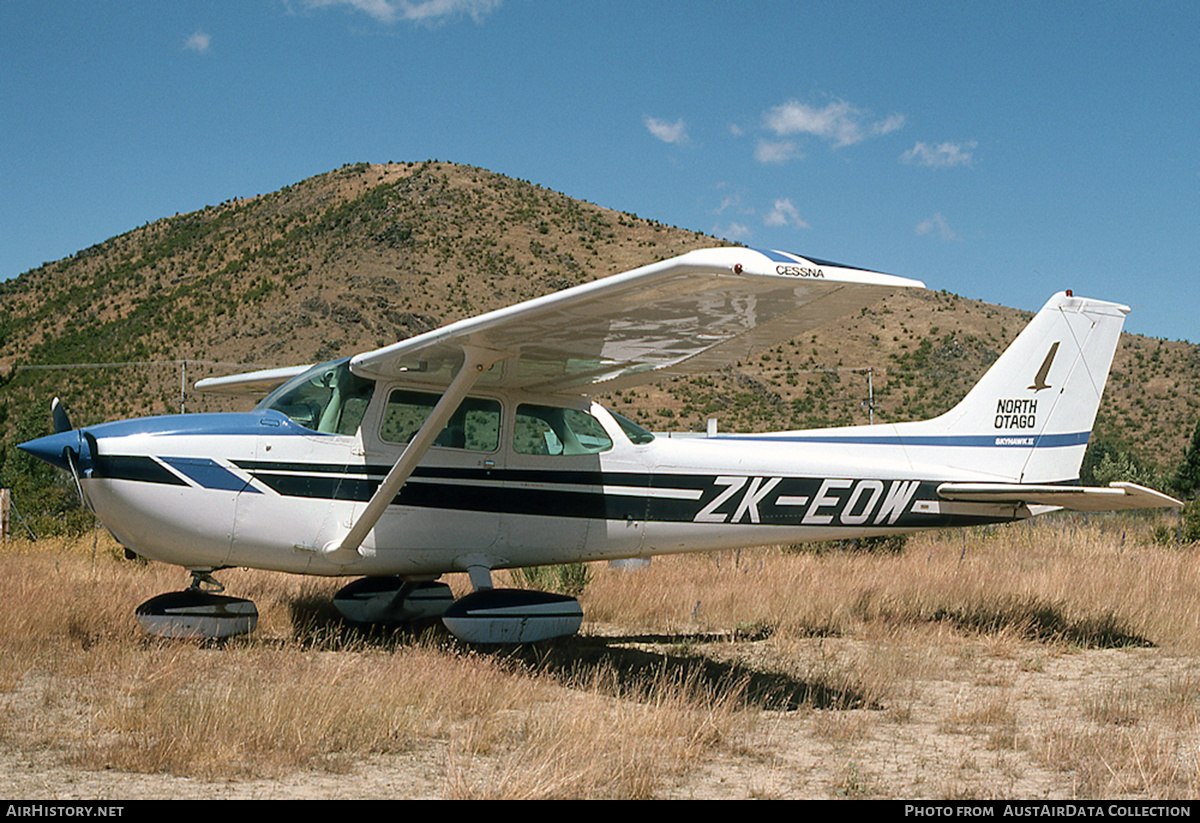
(1114, 497)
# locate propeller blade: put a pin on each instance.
(62, 423)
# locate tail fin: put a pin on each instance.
(1036, 405)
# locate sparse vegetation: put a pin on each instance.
(568, 578)
(1187, 475)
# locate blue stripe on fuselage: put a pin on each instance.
(209, 473)
(991, 441)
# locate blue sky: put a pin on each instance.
(1001, 151)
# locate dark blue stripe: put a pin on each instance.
(775, 257)
(140, 469)
(209, 474)
(991, 441)
(505, 496)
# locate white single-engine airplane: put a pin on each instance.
(475, 447)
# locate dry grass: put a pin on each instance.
(79, 679)
(1044, 660)
(1097, 581)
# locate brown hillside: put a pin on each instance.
(369, 254)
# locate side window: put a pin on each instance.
(354, 408)
(636, 434)
(550, 430)
(475, 425)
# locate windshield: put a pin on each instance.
(328, 398)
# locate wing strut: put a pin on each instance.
(475, 362)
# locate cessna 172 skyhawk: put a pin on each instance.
(474, 447)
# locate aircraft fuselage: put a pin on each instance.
(261, 490)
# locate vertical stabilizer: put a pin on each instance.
(1034, 408)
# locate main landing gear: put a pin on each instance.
(487, 615)
(391, 601)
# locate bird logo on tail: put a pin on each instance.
(1039, 382)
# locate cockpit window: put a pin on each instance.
(328, 398)
(550, 430)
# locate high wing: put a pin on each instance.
(1114, 497)
(260, 382)
(691, 313)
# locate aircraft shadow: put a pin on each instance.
(620, 664)
(584, 660)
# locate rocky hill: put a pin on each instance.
(368, 254)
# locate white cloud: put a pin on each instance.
(733, 205)
(734, 231)
(785, 214)
(839, 122)
(425, 11)
(775, 151)
(198, 42)
(893, 122)
(667, 132)
(941, 156)
(729, 201)
(937, 225)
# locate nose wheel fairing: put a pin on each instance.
(198, 615)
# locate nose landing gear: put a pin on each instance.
(198, 611)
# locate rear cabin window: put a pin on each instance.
(475, 425)
(555, 431)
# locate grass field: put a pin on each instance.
(1057, 659)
